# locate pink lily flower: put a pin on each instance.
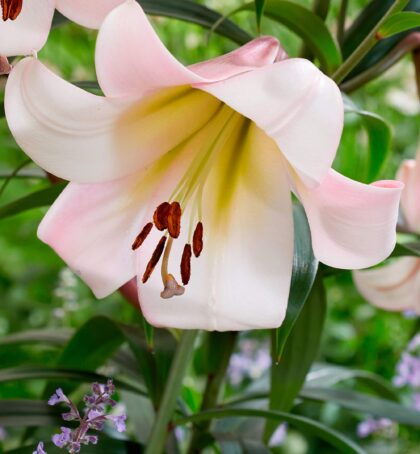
(25, 24)
(396, 286)
(194, 167)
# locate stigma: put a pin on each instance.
(167, 219)
(11, 9)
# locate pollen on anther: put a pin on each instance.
(198, 239)
(174, 220)
(160, 216)
(157, 253)
(142, 236)
(186, 264)
(11, 9)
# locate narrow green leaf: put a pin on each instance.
(379, 134)
(400, 22)
(406, 249)
(89, 348)
(308, 26)
(304, 271)
(363, 24)
(188, 11)
(105, 446)
(259, 11)
(43, 197)
(306, 425)
(329, 375)
(57, 337)
(82, 376)
(288, 375)
(153, 364)
(363, 403)
(28, 413)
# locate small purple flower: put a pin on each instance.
(63, 438)
(58, 397)
(40, 449)
(92, 439)
(371, 426)
(119, 422)
(3, 433)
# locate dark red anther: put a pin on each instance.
(198, 239)
(160, 216)
(154, 260)
(11, 9)
(174, 220)
(142, 236)
(186, 264)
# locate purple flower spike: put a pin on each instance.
(40, 449)
(63, 438)
(58, 397)
(92, 439)
(119, 422)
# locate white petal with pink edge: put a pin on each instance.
(409, 174)
(87, 138)
(394, 286)
(241, 279)
(132, 60)
(352, 224)
(296, 105)
(29, 31)
(89, 13)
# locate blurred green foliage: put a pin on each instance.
(38, 291)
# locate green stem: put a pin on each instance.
(342, 20)
(367, 44)
(225, 344)
(409, 44)
(157, 440)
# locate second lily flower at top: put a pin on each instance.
(194, 167)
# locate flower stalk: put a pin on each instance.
(156, 444)
(367, 44)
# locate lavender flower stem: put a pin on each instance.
(156, 444)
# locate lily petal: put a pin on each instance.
(352, 224)
(393, 287)
(89, 13)
(233, 286)
(132, 60)
(409, 173)
(86, 138)
(296, 105)
(29, 31)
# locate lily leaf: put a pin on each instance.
(307, 25)
(259, 10)
(90, 347)
(105, 446)
(379, 134)
(41, 198)
(400, 22)
(288, 375)
(304, 271)
(410, 249)
(364, 403)
(188, 11)
(28, 413)
(306, 425)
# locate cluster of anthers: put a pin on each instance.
(167, 217)
(11, 9)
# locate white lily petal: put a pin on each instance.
(89, 13)
(296, 105)
(409, 174)
(29, 31)
(242, 278)
(86, 138)
(393, 287)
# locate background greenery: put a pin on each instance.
(37, 291)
